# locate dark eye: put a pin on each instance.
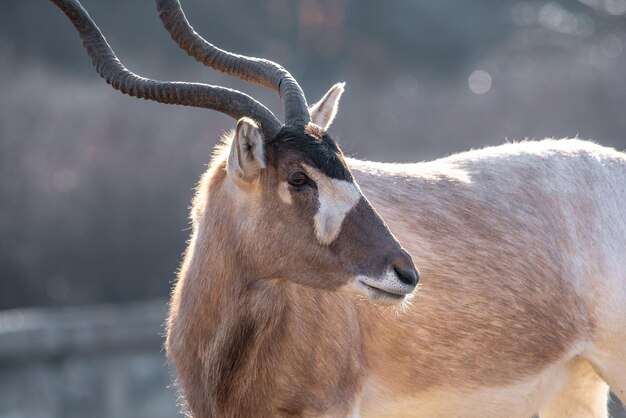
(298, 179)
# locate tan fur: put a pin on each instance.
(583, 396)
(509, 243)
(314, 131)
(272, 333)
(521, 307)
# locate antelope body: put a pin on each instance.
(295, 298)
(523, 301)
(521, 309)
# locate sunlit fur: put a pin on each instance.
(521, 307)
(523, 294)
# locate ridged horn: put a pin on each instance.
(261, 71)
(231, 102)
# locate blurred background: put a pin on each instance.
(95, 186)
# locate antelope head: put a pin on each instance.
(291, 207)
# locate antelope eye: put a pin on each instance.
(298, 179)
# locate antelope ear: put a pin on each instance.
(323, 112)
(247, 152)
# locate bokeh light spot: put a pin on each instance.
(615, 7)
(479, 82)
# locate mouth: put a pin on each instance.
(382, 296)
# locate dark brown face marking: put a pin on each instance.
(314, 146)
(366, 242)
(344, 220)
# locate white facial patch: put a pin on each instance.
(284, 193)
(336, 198)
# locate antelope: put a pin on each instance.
(295, 298)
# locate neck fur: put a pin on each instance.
(237, 341)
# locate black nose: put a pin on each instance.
(405, 269)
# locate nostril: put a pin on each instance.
(410, 277)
